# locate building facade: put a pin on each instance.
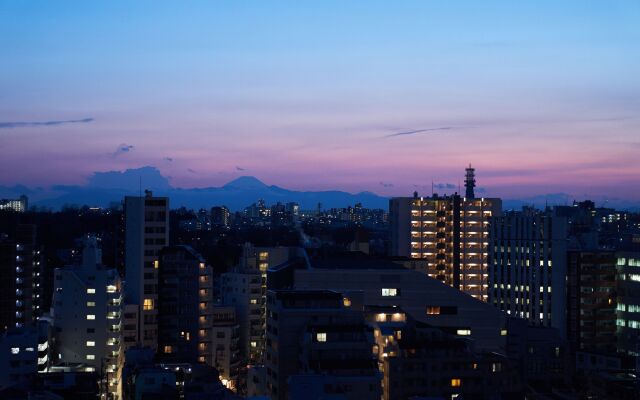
(450, 233)
(21, 204)
(184, 305)
(225, 345)
(86, 315)
(628, 303)
(591, 300)
(378, 282)
(25, 352)
(528, 270)
(146, 222)
(245, 288)
(20, 278)
(312, 335)
(220, 216)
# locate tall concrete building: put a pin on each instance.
(591, 300)
(20, 278)
(220, 216)
(86, 314)
(245, 288)
(528, 267)
(225, 350)
(146, 221)
(628, 303)
(449, 232)
(184, 306)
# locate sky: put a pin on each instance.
(540, 96)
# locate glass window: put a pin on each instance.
(389, 292)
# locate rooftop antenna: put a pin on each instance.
(431, 187)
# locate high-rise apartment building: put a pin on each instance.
(146, 221)
(628, 303)
(220, 216)
(225, 342)
(86, 314)
(528, 267)
(20, 278)
(449, 232)
(245, 288)
(591, 300)
(184, 306)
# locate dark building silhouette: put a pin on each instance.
(220, 216)
(591, 300)
(20, 274)
(184, 305)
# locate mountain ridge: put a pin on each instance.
(105, 188)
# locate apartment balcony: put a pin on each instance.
(205, 310)
(112, 315)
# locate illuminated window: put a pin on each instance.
(111, 289)
(463, 332)
(321, 337)
(91, 316)
(456, 382)
(168, 349)
(346, 301)
(254, 344)
(433, 310)
(147, 305)
(91, 291)
(155, 264)
(91, 357)
(263, 255)
(389, 292)
(503, 332)
(91, 303)
(15, 350)
(91, 343)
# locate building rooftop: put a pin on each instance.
(294, 295)
(352, 260)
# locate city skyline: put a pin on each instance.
(332, 96)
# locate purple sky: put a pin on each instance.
(540, 98)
